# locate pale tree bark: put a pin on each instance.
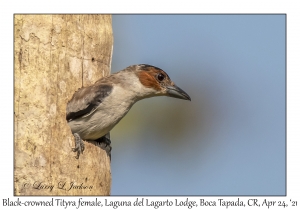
(54, 56)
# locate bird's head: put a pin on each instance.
(159, 81)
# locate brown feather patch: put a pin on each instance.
(147, 78)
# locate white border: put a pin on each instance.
(154, 6)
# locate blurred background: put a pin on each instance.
(230, 139)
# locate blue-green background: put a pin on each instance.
(230, 139)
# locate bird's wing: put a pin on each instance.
(86, 100)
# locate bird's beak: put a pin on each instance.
(176, 92)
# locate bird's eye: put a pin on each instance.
(160, 77)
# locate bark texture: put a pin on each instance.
(54, 56)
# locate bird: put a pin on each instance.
(94, 110)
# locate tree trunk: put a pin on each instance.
(54, 56)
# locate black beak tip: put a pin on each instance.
(176, 92)
(188, 98)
